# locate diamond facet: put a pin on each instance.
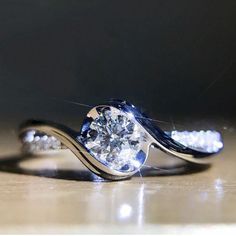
(115, 140)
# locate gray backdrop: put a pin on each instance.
(170, 57)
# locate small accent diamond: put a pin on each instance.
(34, 141)
(205, 141)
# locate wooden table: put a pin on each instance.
(56, 194)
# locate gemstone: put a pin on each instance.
(35, 141)
(206, 141)
(115, 140)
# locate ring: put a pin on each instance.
(115, 139)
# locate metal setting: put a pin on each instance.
(115, 139)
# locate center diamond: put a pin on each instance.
(115, 140)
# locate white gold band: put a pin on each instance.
(208, 141)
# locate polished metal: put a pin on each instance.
(62, 136)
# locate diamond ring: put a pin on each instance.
(115, 139)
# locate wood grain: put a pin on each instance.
(56, 194)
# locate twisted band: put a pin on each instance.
(115, 139)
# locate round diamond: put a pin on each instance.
(115, 140)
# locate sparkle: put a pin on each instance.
(125, 211)
(34, 141)
(114, 139)
(206, 141)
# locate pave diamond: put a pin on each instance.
(115, 140)
(35, 141)
(206, 141)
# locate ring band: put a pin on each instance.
(115, 140)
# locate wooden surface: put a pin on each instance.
(55, 193)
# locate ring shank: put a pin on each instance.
(35, 142)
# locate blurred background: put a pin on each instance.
(173, 58)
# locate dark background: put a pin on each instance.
(174, 58)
